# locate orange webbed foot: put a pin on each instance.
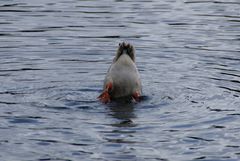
(105, 97)
(136, 97)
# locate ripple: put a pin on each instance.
(84, 107)
(14, 11)
(80, 60)
(232, 146)
(21, 69)
(211, 1)
(124, 141)
(218, 127)
(57, 141)
(112, 36)
(125, 123)
(230, 74)
(25, 119)
(33, 30)
(5, 34)
(219, 110)
(53, 158)
(12, 5)
(200, 158)
(54, 56)
(14, 93)
(200, 139)
(48, 106)
(230, 89)
(209, 49)
(8, 103)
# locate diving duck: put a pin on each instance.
(122, 78)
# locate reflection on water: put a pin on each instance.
(123, 111)
(54, 55)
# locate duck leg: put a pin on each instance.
(105, 97)
(136, 96)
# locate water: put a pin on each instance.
(54, 55)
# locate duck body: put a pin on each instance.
(122, 78)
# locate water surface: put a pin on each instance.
(54, 55)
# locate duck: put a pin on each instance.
(122, 79)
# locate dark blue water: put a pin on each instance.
(53, 59)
